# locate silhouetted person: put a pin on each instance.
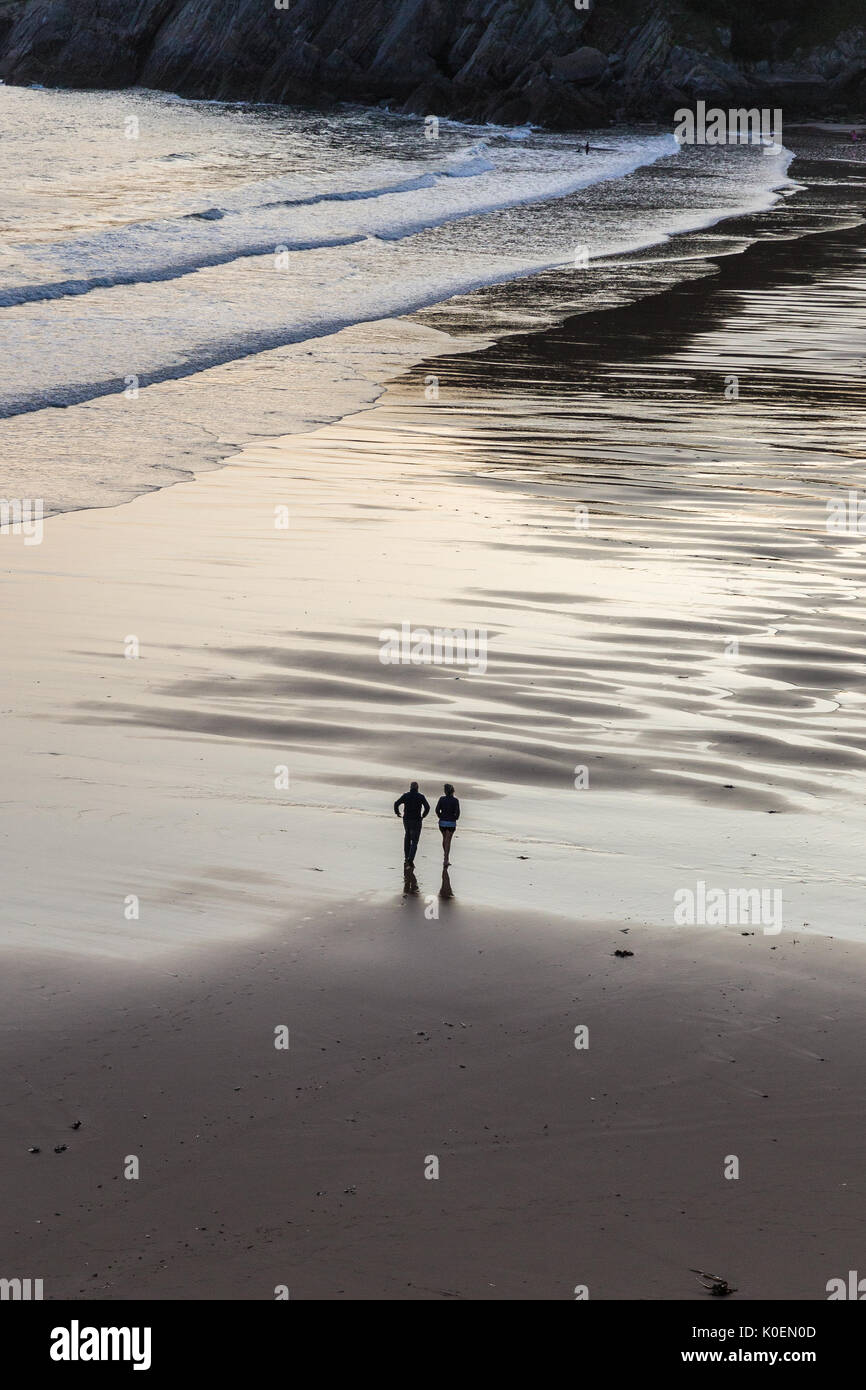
(415, 808)
(586, 148)
(448, 811)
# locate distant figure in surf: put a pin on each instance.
(415, 808)
(586, 148)
(448, 811)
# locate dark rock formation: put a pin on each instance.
(497, 60)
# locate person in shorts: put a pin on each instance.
(448, 813)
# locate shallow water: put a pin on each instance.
(147, 240)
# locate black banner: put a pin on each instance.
(148, 1338)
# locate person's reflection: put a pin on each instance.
(445, 888)
(410, 882)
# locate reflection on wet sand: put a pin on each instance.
(671, 627)
(570, 493)
(673, 632)
(411, 888)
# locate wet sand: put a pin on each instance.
(413, 1039)
(665, 609)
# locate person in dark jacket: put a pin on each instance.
(448, 811)
(415, 808)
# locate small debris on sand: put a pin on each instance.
(714, 1283)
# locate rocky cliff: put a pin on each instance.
(509, 61)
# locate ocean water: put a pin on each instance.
(178, 277)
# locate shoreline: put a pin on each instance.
(194, 400)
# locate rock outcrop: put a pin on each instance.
(510, 61)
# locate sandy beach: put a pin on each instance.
(454, 1038)
(202, 749)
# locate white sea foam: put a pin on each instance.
(261, 217)
(219, 233)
